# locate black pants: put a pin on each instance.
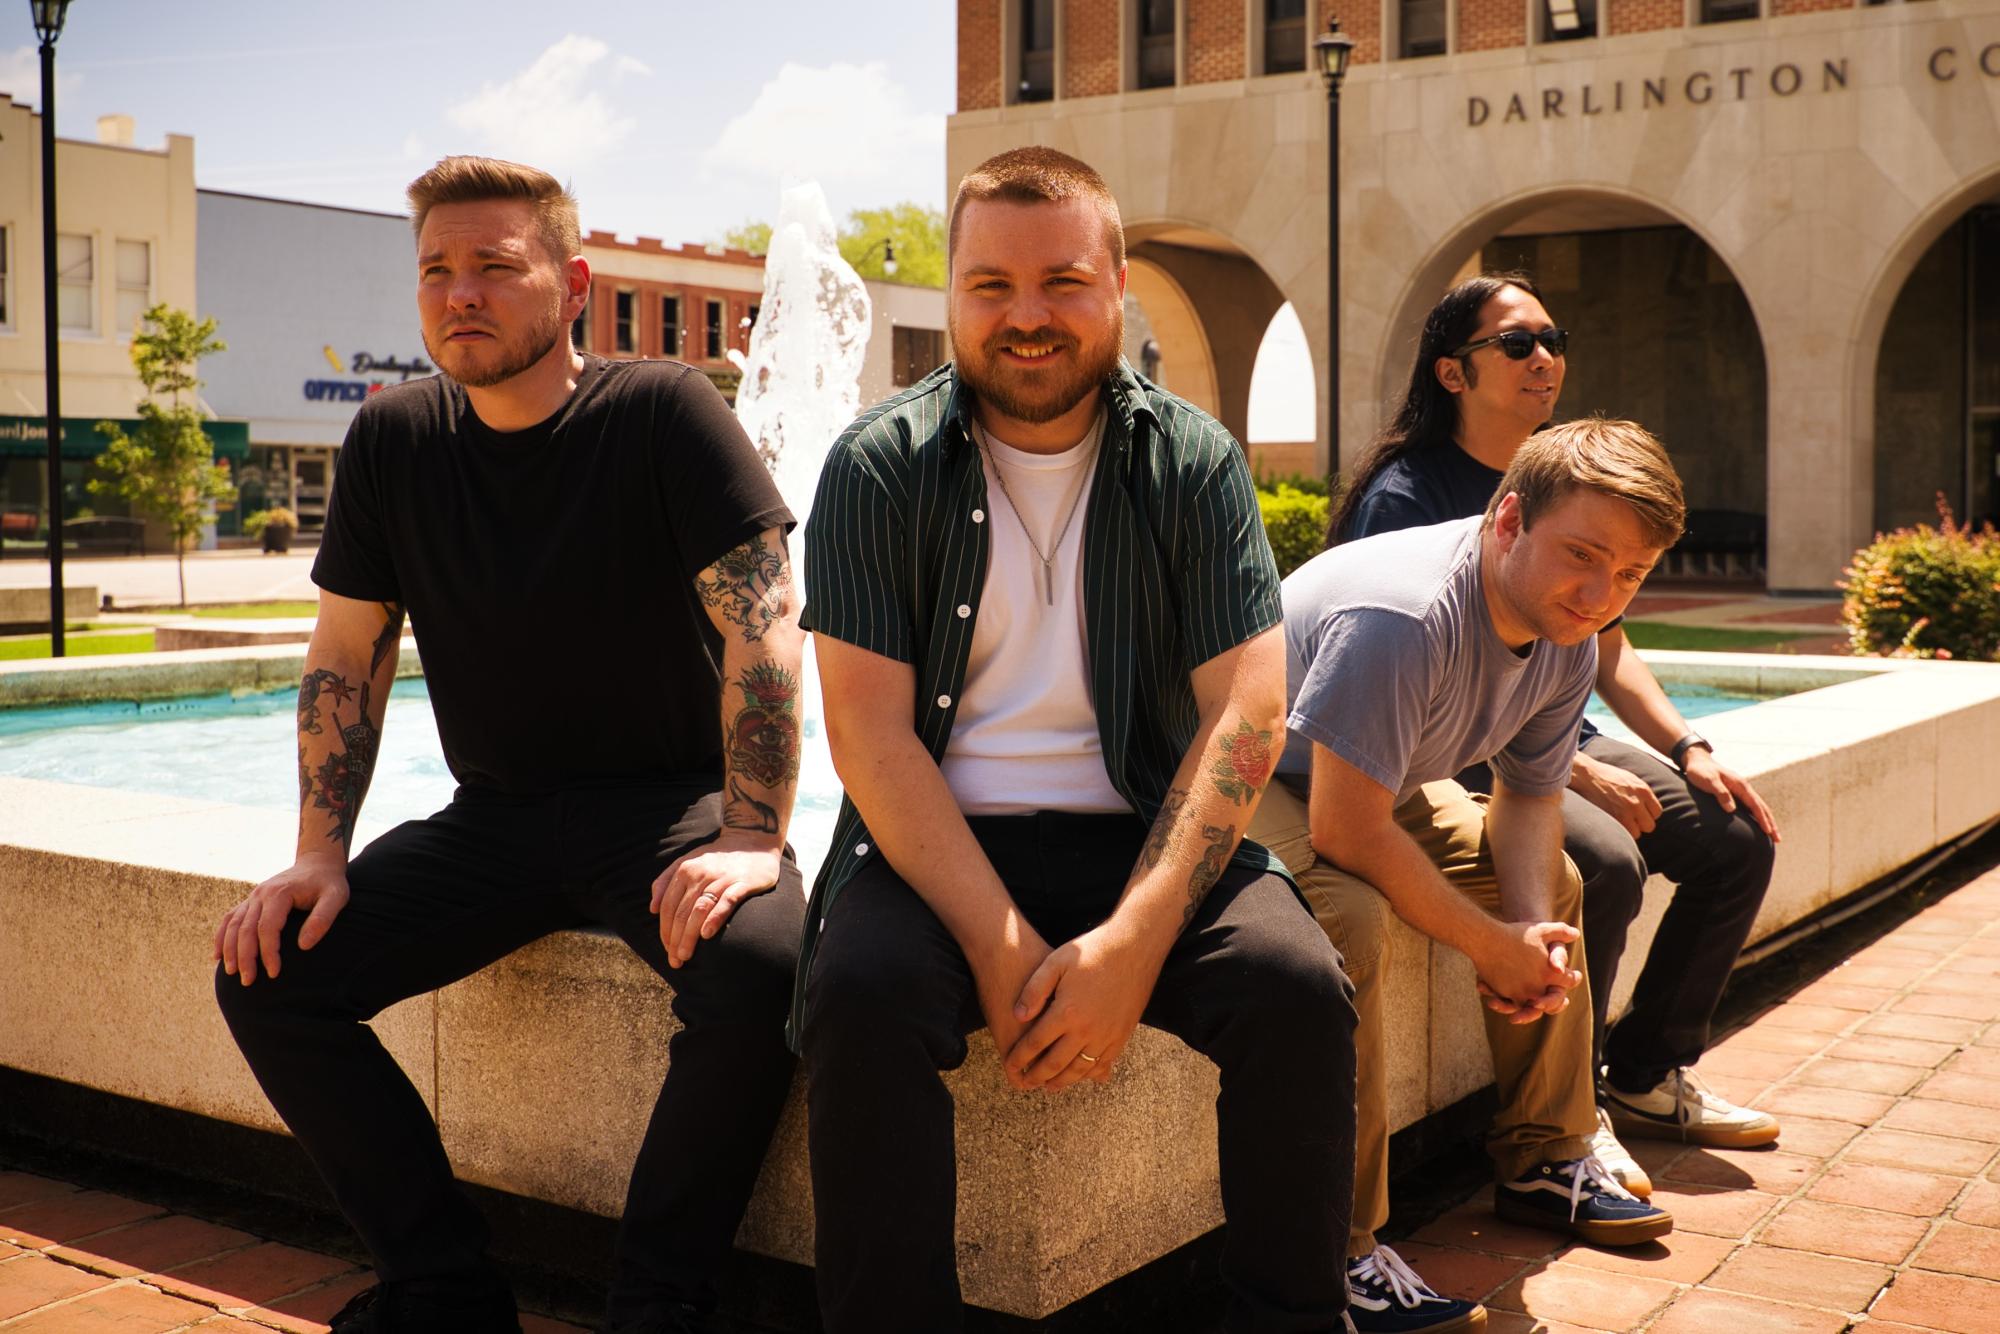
(435, 900)
(1252, 984)
(1720, 863)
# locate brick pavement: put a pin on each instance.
(1877, 1212)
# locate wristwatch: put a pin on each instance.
(1687, 743)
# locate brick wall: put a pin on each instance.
(978, 54)
(1090, 48)
(1643, 15)
(1215, 49)
(1806, 6)
(1488, 25)
(1359, 19)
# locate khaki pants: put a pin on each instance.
(1547, 1096)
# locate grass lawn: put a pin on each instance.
(257, 610)
(1660, 634)
(77, 646)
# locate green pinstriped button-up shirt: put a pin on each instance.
(1176, 570)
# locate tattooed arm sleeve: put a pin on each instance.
(1241, 697)
(751, 601)
(350, 666)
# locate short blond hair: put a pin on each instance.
(1040, 175)
(464, 179)
(1613, 458)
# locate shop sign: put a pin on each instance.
(361, 363)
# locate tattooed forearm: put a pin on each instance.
(1162, 833)
(392, 634)
(750, 587)
(340, 780)
(743, 811)
(764, 736)
(1219, 841)
(1244, 765)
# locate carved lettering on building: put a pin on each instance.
(1702, 87)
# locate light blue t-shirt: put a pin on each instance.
(1393, 664)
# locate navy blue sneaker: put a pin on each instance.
(1385, 1296)
(1582, 1198)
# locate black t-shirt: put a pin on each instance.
(549, 572)
(1426, 485)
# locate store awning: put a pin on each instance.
(28, 437)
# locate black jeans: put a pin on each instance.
(435, 900)
(1720, 863)
(1252, 984)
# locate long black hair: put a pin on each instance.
(1428, 414)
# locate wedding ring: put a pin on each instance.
(1086, 1056)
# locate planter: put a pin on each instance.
(278, 538)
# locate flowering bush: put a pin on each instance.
(1926, 592)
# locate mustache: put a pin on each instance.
(1021, 338)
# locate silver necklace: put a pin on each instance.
(1047, 558)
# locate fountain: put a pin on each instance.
(800, 389)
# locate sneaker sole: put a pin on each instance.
(1639, 1184)
(1472, 1322)
(1635, 1233)
(1707, 1137)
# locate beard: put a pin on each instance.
(1037, 396)
(482, 366)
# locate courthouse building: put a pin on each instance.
(1769, 224)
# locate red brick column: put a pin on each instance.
(1090, 61)
(978, 54)
(1359, 19)
(1488, 25)
(1643, 15)
(1215, 49)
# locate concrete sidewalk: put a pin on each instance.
(212, 576)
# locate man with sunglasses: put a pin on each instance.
(1489, 367)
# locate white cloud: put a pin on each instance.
(552, 113)
(841, 125)
(21, 76)
(413, 146)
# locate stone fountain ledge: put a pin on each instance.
(108, 900)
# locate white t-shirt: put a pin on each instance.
(1025, 736)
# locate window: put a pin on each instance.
(1568, 20)
(750, 324)
(1422, 28)
(1284, 36)
(712, 343)
(914, 353)
(624, 321)
(670, 326)
(6, 289)
(1729, 11)
(579, 332)
(1038, 51)
(1156, 44)
(135, 284)
(76, 283)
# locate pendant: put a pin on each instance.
(1049, 582)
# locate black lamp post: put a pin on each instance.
(887, 245)
(49, 15)
(1332, 50)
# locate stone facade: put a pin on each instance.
(1819, 155)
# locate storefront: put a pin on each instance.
(24, 473)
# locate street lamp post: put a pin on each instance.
(1332, 50)
(49, 15)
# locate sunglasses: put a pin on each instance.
(1519, 344)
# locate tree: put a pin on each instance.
(166, 468)
(916, 232)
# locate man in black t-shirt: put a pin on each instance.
(529, 500)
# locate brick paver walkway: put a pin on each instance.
(1878, 1210)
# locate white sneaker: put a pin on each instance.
(1616, 1161)
(1682, 1107)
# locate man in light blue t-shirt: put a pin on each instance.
(1411, 656)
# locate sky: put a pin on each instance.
(671, 118)
(674, 118)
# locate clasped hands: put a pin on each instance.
(1062, 1015)
(1524, 971)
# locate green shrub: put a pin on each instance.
(1295, 521)
(1926, 592)
(1310, 483)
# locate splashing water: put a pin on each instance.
(801, 388)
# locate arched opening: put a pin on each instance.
(1205, 307)
(1937, 378)
(1284, 402)
(1661, 333)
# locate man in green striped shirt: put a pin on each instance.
(1047, 628)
